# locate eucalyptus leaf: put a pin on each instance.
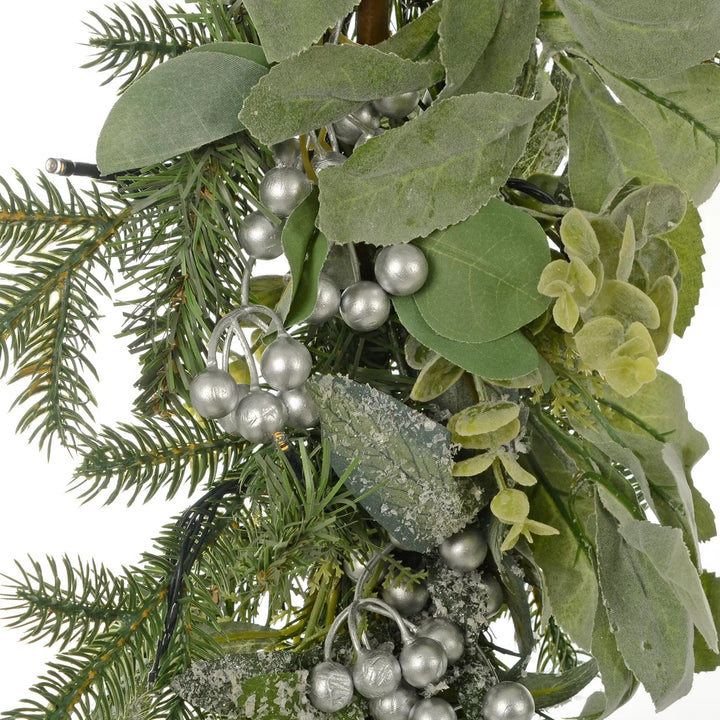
(401, 460)
(549, 689)
(705, 659)
(484, 273)
(507, 357)
(432, 172)
(437, 376)
(608, 146)
(185, 102)
(418, 40)
(246, 50)
(286, 28)
(637, 38)
(326, 83)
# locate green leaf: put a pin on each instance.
(608, 146)
(484, 273)
(549, 689)
(680, 113)
(507, 357)
(435, 170)
(267, 289)
(465, 30)
(403, 476)
(246, 50)
(705, 659)
(437, 376)
(326, 83)
(286, 28)
(687, 241)
(644, 39)
(653, 630)
(485, 417)
(186, 102)
(418, 39)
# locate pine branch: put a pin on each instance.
(225, 21)
(133, 40)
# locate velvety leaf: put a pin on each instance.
(246, 50)
(286, 28)
(608, 146)
(484, 417)
(652, 629)
(644, 39)
(465, 30)
(680, 113)
(389, 189)
(418, 40)
(705, 659)
(549, 689)
(185, 102)
(326, 83)
(436, 377)
(507, 357)
(403, 464)
(484, 274)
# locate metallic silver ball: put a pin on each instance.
(327, 302)
(398, 106)
(376, 673)
(448, 633)
(260, 415)
(229, 422)
(433, 708)
(330, 686)
(286, 363)
(301, 408)
(286, 153)
(464, 551)
(354, 567)
(508, 701)
(326, 160)
(401, 269)
(214, 393)
(395, 705)
(260, 237)
(282, 189)
(406, 600)
(348, 132)
(423, 662)
(496, 596)
(364, 306)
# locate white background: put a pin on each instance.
(50, 107)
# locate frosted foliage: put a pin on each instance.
(403, 471)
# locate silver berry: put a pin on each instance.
(464, 551)
(326, 160)
(376, 673)
(447, 633)
(214, 393)
(286, 153)
(398, 106)
(405, 599)
(433, 708)
(260, 415)
(301, 408)
(496, 597)
(286, 363)
(260, 237)
(330, 686)
(396, 705)
(364, 306)
(229, 422)
(423, 662)
(401, 269)
(348, 131)
(508, 701)
(282, 189)
(354, 566)
(327, 302)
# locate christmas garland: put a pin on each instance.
(447, 413)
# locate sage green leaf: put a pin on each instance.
(704, 516)
(431, 172)
(653, 630)
(418, 40)
(687, 241)
(403, 476)
(665, 296)
(658, 258)
(266, 289)
(608, 146)
(436, 377)
(507, 357)
(680, 113)
(185, 102)
(246, 50)
(416, 354)
(326, 83)
(465, 30)
(637, 38)
(626, 302)
(286, 28)
(549, 689)
(484, 274)
(705, 659)
(485, 417)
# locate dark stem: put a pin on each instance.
(373, 21)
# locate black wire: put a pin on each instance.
(531, 190)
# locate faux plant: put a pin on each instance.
(445, 411)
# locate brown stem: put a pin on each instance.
(373, 21)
